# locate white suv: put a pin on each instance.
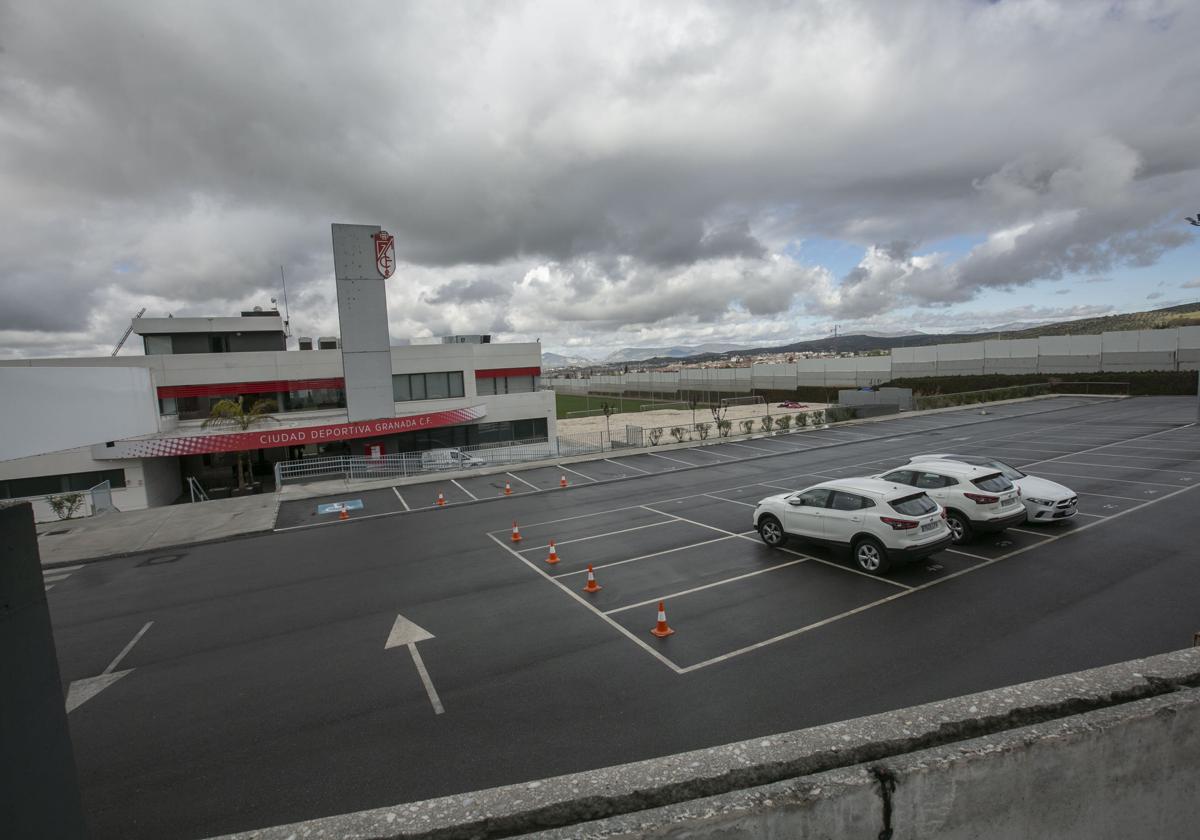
(1045, 500)
(881, 522)
(976, 499)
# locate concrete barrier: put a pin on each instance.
(39, 788)
(1107, 753)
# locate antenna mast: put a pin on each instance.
(287, 318)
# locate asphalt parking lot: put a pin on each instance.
(279, 677)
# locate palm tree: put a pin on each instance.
(232, 414)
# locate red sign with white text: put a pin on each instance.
(269, 436)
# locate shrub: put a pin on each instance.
(66, 505)
(802, 419)
(767, 422)
(747, 426)
(723, 427)
(677, 433)
(784, 422)
(655, 436)
(702, 429)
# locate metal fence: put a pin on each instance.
(405, 464)
(71, 504)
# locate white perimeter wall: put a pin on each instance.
(53, 409)
(1134, 350)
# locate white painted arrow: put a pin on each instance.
(406, 634)
(81, 691)
(85, 689)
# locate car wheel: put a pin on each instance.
(771, 531)
(959, 526)
(871, 556)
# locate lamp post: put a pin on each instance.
(1195, 222)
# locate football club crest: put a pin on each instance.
(385, 253)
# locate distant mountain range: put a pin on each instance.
(1183, 315)
(632, 354)
(555, 360)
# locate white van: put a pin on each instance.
(449, 459)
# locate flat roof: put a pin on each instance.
(271, 323)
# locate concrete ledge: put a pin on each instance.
(834, 775)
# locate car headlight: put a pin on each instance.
(1042, 502)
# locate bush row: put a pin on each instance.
(766, 423)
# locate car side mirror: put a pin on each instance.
(796, 502)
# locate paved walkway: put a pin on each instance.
(119, 533)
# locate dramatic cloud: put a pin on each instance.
(592, 174)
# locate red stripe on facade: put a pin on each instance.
(269, 437)
(496, 372)
(229, 389)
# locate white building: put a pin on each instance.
(136, 420)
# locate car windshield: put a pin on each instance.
(917, 504)
(1007, 470)
(994, 483)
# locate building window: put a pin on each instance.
(158, 345)
(44, 485)
(443, 385)
(487, 385)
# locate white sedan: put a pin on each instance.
(1045, 500)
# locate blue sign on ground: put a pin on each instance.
(336, 507)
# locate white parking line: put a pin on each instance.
(703, 450)
(1133, 467)
(1194, 453)
(1159, 458)
(764, 449)
(574, 472)
(1105, 478)
(580, 599)
(727, 536)
(401, 498)
(788, 445)
(1091, 515)
(689, 521)
(631, 466)
(683, 592)
(523, 481)
(464, 489)
(1030, 533)
(832, 565)
(597, 536)
(731, 501)
(1111, 496)
(676, 460)
(966, 553)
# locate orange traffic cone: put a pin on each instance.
(661, 629)
(441, 501)
(516, 537)
(507, 489)
(553, 558)
(343, 513)
(592, 586)
(562, 481)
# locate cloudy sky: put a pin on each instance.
(599, 175)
